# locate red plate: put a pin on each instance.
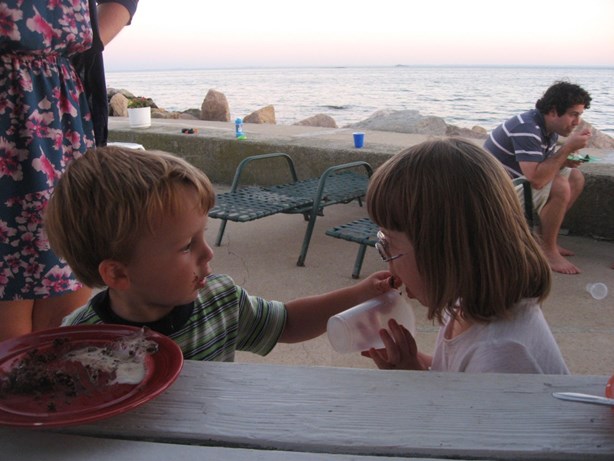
(161, 370)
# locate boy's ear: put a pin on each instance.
(114, 274)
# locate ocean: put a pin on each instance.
(462, 96)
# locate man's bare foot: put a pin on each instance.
(565, 251)
(560, 264)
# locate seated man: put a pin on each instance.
(526, 144)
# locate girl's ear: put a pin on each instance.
(114, 274)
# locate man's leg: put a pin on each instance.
(563, 194)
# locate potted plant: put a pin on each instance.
(139, 112)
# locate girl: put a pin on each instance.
(453, 233)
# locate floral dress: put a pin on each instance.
(45, 123)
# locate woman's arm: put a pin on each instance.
(112, 17)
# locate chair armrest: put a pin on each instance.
(334, 169)
(247, 160)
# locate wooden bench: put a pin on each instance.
(320, 413)
(338, 184)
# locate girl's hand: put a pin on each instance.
(400, 350)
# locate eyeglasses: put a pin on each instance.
(382, 247)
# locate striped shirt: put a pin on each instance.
(522, 138)
(222, 319)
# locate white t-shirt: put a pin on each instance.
(521, 344)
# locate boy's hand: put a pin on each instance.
(380, 282)
(400, 350)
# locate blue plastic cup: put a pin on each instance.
(359, 140)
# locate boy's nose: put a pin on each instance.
(207, 253)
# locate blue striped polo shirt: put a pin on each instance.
(522, 138)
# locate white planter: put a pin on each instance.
(139, 117)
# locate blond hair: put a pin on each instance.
(109, 198)
(457, 206)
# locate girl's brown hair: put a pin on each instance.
(457, 206)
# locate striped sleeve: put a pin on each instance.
(522, 138)
(261, 323)
(527, 142)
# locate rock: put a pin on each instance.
(477, 132)
(480, 130)
(186, 116)
(322, 120)
(118, 105)
(215, 107)
(112, 91)
(191, 113)
(599, 140)
(162, 113)
(403, 121)
(263, 115)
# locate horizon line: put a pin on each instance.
(526, 66)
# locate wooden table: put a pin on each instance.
(232, 411)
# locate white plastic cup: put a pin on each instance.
(357, 329)
(597, 290)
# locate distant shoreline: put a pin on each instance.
(409, 66)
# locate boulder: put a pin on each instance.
(599, 140)
(186, 116)
(215, 107)
(112, 91)
(263, 115)
(163, 113)
(118, 105)
(477, 132)
(321, 120)
(402, 121)
(191, 114)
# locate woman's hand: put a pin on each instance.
(400, 350)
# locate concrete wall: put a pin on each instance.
(219, 157)
(219, 154)
(593, 214)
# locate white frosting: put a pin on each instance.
(124, 360)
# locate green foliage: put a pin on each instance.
(139, 101)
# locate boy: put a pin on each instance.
(134, 221)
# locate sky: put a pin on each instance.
(198, 34)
